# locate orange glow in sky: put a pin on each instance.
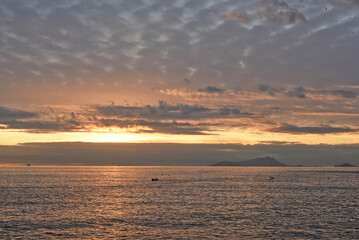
(121, 135)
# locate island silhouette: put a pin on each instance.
(344, 165)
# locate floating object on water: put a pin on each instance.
(154, 179)
(271, 178)
(28, 165)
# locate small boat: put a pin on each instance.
(154, 179)
(28, 165)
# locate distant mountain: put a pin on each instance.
(266, 161)
(345, 165)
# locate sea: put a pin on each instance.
(185, 203)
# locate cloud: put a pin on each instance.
(163, 111)
(160, 42)
(166, 111)
(301, 92)
(184, 109)
(43, 126)
(278, 142)
(298, 92)
(280, 12)
(178, 128)
(268, 89)
(36, 122)
(211, 89)
(163, 118)
(229, 111)
(11, 114)
(243, 17)
(341, 93)
(38, 126)
(292, 129)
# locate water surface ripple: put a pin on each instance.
(186, 203)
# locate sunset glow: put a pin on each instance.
(256, 72)
(179, 119)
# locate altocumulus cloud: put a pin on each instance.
(180, 128)
(292, 129)
(298, 92)
(11, 114)
(164, 118)
(301, 92)
(70, 42)
(211, 89)
(341, 93)
(33, 122)
(166, 111)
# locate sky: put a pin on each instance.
(279, 74)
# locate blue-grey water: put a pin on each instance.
(186, 203)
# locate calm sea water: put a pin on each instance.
(186, 203)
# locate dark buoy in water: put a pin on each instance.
(271, 178)
(28, 165)
(154, 179)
